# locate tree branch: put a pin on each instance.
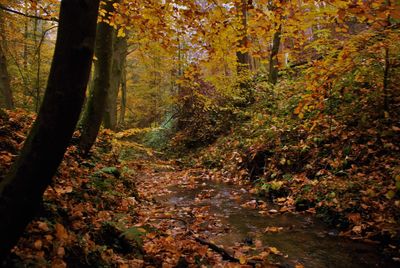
(26, 15)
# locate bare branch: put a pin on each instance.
(26, 15)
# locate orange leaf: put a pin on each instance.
(61, 232)
(38, 244)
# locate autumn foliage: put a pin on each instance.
(296, 103)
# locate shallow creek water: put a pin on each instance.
(303, 240)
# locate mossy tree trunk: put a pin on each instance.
(110, 119)
(96, 103)
(22, 189)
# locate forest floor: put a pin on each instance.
(108, 211)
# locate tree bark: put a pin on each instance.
(22, 189)
(386, 69)
(96, 103)
(5, 86)
(123, 97)
(118, 63)
(243, 58)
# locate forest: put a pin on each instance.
(199, 133)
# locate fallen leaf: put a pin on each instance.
(354, 217)
(258, 243)
(61, 252)
(242, 259)
(274, 250)
(38, 244)
(61, 232)
(273, 229)
(357, 229)
(43, 226)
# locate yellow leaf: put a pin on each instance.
(142, 230)
(273, 229)
(274, 250)
(242, 259)
(390, 194)
(121, 33)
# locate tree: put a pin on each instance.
(242, 54)
(121, 119)
(273, 60)
(22, 189)
(276, 41)
(118, 65)
(96, 104)
(5, 87)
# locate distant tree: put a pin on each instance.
(22, 189)
(110, 119)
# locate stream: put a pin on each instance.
(302, 238)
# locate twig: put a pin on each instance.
(225, 255)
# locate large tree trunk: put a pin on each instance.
(95, 106)
(118, 63)
(5, 87)
(22, 190)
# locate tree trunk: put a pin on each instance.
(118, 63)
(243, 58)
(386, 69)
(123, 97)
(273, 60)
(96, 103)
(5, 87)
(22, 189)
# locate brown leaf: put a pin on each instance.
(58, 263)
(61, 252)
(38, 244)
(354, 217)
(357, 229)
(43, 226)
(258, 243)
(61, 232)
